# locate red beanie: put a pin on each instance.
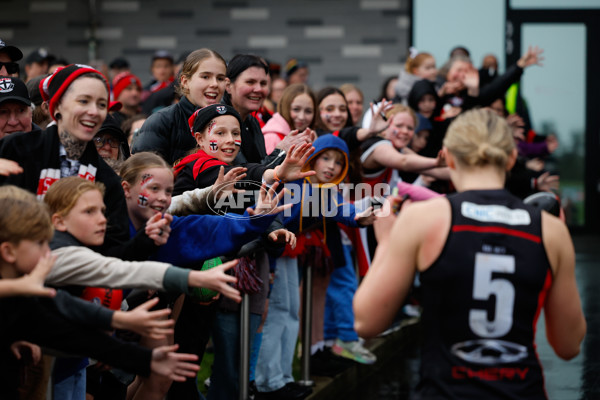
(56, 84)
(123, 80)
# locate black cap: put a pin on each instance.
(14, 53)
(203, 116)
(119, 63)
(37, 56)
(163, 54)
(13, 89)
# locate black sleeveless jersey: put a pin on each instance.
(481, 301)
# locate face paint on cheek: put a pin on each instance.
(214, 147)
(237, 142)
(143, 195)
(327, 118)
(211, 125)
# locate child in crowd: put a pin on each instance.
(355, 98)
(148, 186)
(316, 199)
(419, 65)
(65, 323)
(218, 134)
(202, 82)
(295, 112)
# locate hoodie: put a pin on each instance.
(320, 204)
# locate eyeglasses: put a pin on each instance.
(100, 141)
(11, 67)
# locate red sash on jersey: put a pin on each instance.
(201, 160)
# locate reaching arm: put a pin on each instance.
(565, 323)
(388, 156)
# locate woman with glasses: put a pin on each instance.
(111, 144)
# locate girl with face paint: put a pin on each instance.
(202, 83)
(148, 184)
(217, 149)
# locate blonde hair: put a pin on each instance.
(62, 196)
(480, 137)
(292, 91)
(191, 64)
(401, 108)
(23, 217)
(412, 63)
(132, 168)
(350, 87)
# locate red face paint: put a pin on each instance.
(143, 195)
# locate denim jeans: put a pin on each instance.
(224, 380)
(280, 332)
(339, 315)
(71, 388)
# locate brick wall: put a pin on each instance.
(357, 41)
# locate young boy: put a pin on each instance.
(315, 199)
(64, 323)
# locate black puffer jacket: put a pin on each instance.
(167, 132)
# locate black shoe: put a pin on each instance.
(325, 363)
(304, 390)
(291, 391)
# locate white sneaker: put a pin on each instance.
(354, 351)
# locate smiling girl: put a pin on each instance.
(203, 80)
(295, 111)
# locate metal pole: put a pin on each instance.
(306, 327)
(244, 346)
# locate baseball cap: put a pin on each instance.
(163, 54)
(37, 56)
(14, 53)
(13, 89)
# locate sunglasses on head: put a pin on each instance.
(100, 141)
(11, 67)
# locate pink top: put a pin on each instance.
(274, 131)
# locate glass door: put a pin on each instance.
(556, 98)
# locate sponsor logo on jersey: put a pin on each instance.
(494, 213)
(489, 352)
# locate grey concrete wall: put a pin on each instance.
(357, 41)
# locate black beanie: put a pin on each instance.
(203, 116)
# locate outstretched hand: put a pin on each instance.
(175, 366)
(366, 217)
(379, 122)
(151, 324)
(32, 284)
(9, 167)
(296, 138)
(283, 236)
(225, 183)
(547, 183)
(216, 279)
(22, 349)
(291, 168)
(158, 228)
(533, 56)
(268, 201)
